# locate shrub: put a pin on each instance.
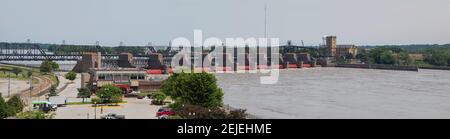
(71, 76)
(159, 96)
(237, 114)
(16, 104)
(34, 115)
(198, 112)
(95, 101)
(5, 110)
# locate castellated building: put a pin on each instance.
(331, 49)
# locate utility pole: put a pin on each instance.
(31, 89)
(265, 22)
(9, 84)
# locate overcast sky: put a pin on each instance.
(137, 22)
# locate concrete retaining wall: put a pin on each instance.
(376, 66)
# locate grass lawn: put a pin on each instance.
(78, 103)
(23, 75)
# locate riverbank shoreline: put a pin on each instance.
(390, 67)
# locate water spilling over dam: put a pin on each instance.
(342, 93)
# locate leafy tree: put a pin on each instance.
(71, 76)
(16, 104)
(52, 91)
(404, 59)
(84, 93)
(448, 61)
(5, 110)
(387, 58)
(110, 94)
(349, 56)
(16, 71)
(438, 56)
(194, 88)
(48, 66)
(362, 56)
(29, 73)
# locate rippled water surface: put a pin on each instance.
(342, 93)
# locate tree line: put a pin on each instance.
(395, 55)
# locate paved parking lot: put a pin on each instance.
(133, 109)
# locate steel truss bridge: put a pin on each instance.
(33, 52)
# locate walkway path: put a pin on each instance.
(71, 90)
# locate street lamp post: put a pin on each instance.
(101, 106)
(95, 109)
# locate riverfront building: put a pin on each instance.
(331, 49)
(126, 78)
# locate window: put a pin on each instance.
(134, 77)
(141, 77)
(101, 77)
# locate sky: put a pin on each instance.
(138, 22)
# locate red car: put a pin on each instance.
(164, 112)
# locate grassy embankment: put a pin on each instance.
(23, 75)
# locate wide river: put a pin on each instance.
(341, 93)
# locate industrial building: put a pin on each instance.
(332, 49)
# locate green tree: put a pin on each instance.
(5, 110)
(194, 88)
(387, 58)
(71, 76)
(29, 73)
(362, 57)
(438, 56)
(16, 71)
(404, 58)
(48, 66)
(52, 91)
(84, 93)
(109, 94)
(349, 56)
(16, 104)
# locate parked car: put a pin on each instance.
(113, 116)
(131, 95)
(164, 113)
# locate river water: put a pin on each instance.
(341, 93)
